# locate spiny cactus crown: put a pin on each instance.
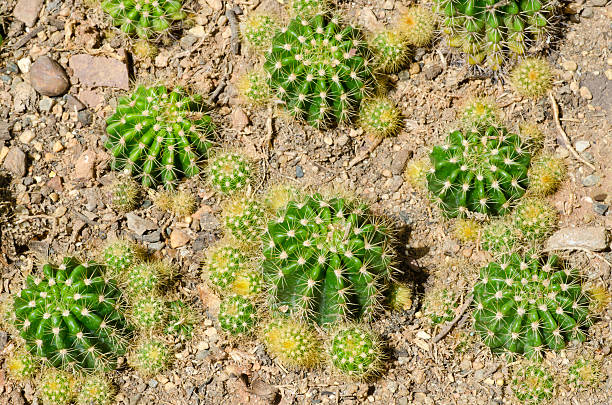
(546, 174)
(181, 320)
(120, 255)
(356, 352)
(466, 230)
(143, 279)
(21, 365)
(145, 18)
(488, 31)
(499, 237)
(244, 218)
(150, 357)
(152, 135)
(308, 7)
(124, 194)
(327, 259)
(148, 312)
(400, 296)
(56, 388)
(72, 317)
(379, 117)
(418, 25)
(535, 219)
(586, 372)
(294, 343)
(390, 50)
(533, 384)
(254, 88)
(223, 264)
(237, 315)
(480, 112)
(480, 171)
(258, 31)
(532, 77)
(230, 172)
(319, 69)
(95, 390)
(527, 304)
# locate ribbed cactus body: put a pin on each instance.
(527, 304)
(230, 172)
(145, 18)
(480, 171)
(152, 135)
(72, 316)
(327, 259)
(356, 352)
(319, 69)
(244, 218)
(488, 31)
(237, 315)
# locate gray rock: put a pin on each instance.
(299, 172)
(600, 208)
(93, 71)
(431, 72)
(395, 183)
(587, 12)
(581, 146)
(27, 11)
(399, 161)
(49, 77)
(151, 237)
(590, 180)
(5, 131)
(157, 246)
(24, 97)
(46, 104)
(593, 238)
(138, 224)
(15, 162)
(599, 3)
(85, 117)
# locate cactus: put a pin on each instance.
(244, 217)
(439, 305)
(526, 304)
(327, 259)
(586, 372)
(95, 390)
(532, 135)
(237, 315)
(144, 18)
(356, 352)
(181, 320)
(535, 219)
(144, 50)
(293, 343)
(258, 31)
(546, 174)
(308, 7)
(124, 194)
(181, 203)
(400, 296)
(390, 50)
(230, 172)
(278, 196)
(599, 298)
(143, 279)
(319, 69)
(120, 255)
(379, 117)
(532, 77)
(72, 317)
(499, 237)
(532, 384)
(480, 112)
(253, 87)
(223, 264)
(466, 230)
(490, 32)
(481, 171)
(151, 135)
(148, 313)
(56, 388)
(416, 173)
(150, 357)
(21, 365)
(417, 25)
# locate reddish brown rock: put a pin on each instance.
(49, 77)
(94, 71)
(27, 11)
(83, 168)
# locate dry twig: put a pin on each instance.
(455, 321)
(377, 141)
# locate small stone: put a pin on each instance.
(27, 136)
(590, 180)
(387, 173)
(178, 238)
(138, 224)
(570, 65)
(368, 19)
(24, 97)
(73, 104)
(598, 3)
(608, 74)
(161, 60)
(198, 31)
(24, 64)
(46, 104)
(15, 162)
(394, 183)
(600, 197)
(215, 4)
(342, 140)
(431, 72)
(587, 12)
(49, 77)
(27, 11)
(415, 68)
(85, 117)
(58, 147)
(581, 146)
(600, 208)
(55, 183)
(239, 119)
(593, 238)
(151, 237)
(83, 168)
(586, 93)
(399, 161)
(328, 140)
(299, 172)
(94, 71)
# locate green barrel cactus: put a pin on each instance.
(490, 31)
(481, 171)
(532, 384)
(144, 18)
(524, 304)
(150, 357)
(319, 69)
(356, 352)
(244, 217)
(143, 279)
(56, 388)
(586, 372)
(532, 77)
(418, 25)
(95, 390)
(230, 172)
(72, 316)
(124, 194)
(152, 135)
(237, 315)
(327, 259)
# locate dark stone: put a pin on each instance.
(85, 117)
(431, 72)
(600, 208)
(299, 172)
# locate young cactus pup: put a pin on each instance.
(532, 384)
(56, 388)
(230, 172)
(151, 135)
(379, 117)
(532, 77)
(546, 174)
(150, 357)
(466, 230)
(182, 203)
(400, 296)
(293, 343)
(499, 236)
(95, 390)
(21, 365)
(124, 193)
(417, 25)
(480, 112)
(586, 372)
(237, 315)
(181, 320)
(308, 7)
(390, 50)
(440, 305)
(244, 218)
(416, 173)
(148, 313)
(356, 352)
(258, 31)
(319, 69)
(253, 87)
(525, 304)
(144, 18)
(120, 255)
(72, 316)
(535, 219)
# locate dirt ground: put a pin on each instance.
(55, 212)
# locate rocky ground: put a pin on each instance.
(56, 170)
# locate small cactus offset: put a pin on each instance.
(417, 25)
(416, 173)
(143, 279)
(181, 203)
(294, 343)
(439, 305)
(480, 112)
(390, 50)
(144, 18)
(56, 388)
(499, 236)
(237, 315)
(489, 32)
(586, 372)
(124, 193)
(150, 357)
(244, 218)
(152, 135)
(532, 77)
(72, 316)
(253, 87)
(466, 230)
(546, 174)
(181, 320)
(379, 117)
(223, 264)
(327, 259)
(21, 365)
(230, 172)
(533, 384)
(356, 352)
(308, 7)
(535, 219)
(400, 296)
(95, 390)
(120, 255)
(482, 171)
(258, 30)
(319, 69)
(148, 313)
(525, 304)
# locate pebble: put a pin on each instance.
(586, 93)
(178, 238)
(590, 180)
(138, 224)
(399, 161)
(299, 172)
(49, 77)
(15, 162)
(73, 104)
(598, 3)
(24, 64)
(83, 167)
(151, 237)
(85, 117)
(593, 238)
(570, 65)
(27, 11)
(94, 71)
(46, 104)
(342, 140)
(215, 4)
(600, 208)
(581, 146)
(328, 141)
(431, 72)
(24, 97)
(58, 147)
(239, 119)
(387, 173)
(587, 12)
(27, 136)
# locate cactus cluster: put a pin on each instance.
(72, 316)
(181, 320)
(532, 77)
(524, 304)
(148, 313)
(483, 170)
(379, 117)
(356, 352)
(489, 32)
(124, 193)
(237, 315)
(534, 219)
(56, 388)
(144, 18)
(230, 172)
(244, 217)
(532, 384)
(293, 343)
(150, 357)
(181, 203)
(152, 135)
(120, 255)
(326, 259)
(229, 270)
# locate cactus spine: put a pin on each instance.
(258, 31)
(417, 25)
(95, 390)
(390, 50)
(181, 320)
(546, 174)
(532, 77)
(124, 193)
(379, 117)
(120, 255)
(237, 315)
